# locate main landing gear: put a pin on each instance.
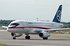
(45, 38)
(27, 37)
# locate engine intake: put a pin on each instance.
(44, 34)
(41, 34)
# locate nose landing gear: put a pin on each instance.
(13, 35)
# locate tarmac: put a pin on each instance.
(6, 38)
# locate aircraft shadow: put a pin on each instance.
(41, 39)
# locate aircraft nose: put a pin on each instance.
(9, 30)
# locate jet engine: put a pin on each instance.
(44, 35)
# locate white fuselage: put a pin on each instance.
(31, 26)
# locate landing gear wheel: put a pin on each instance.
(12, 34)
(45, 38)
(14, 37)
(27, 37)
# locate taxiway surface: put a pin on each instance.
(35, 40)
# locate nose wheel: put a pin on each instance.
(27, 37)
(13, 35)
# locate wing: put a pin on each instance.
(50, 30)
(58, 29)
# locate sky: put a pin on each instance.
(33, 9)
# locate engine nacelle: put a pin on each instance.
(44, 34)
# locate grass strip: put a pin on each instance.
(54, 34)
(2, 44)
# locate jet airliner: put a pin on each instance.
(43, 29)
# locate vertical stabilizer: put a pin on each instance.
(57, 17)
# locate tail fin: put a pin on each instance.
(57, 17)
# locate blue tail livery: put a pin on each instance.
(57, 17)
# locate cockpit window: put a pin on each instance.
(14, 24)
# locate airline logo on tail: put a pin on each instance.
(57, 17)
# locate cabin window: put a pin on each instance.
(14, 24)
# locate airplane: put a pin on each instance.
(43, 29)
